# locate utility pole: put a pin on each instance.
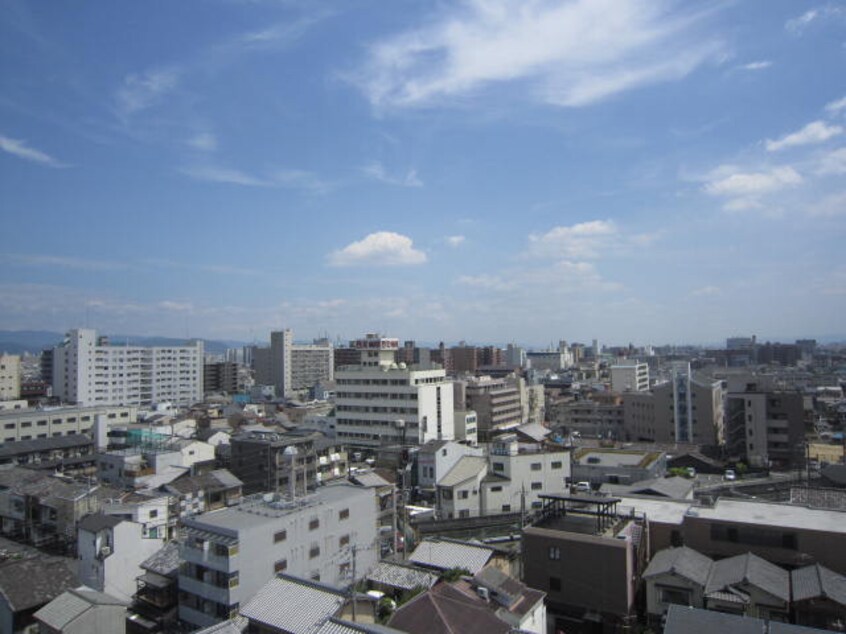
(353, 583)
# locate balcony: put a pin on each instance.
(204, 590)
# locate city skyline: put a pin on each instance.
(516, 171)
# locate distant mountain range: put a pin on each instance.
(34, 341)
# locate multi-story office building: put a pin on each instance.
(29, 424)
(220, 376)
(630, 377)
(497, 403)
(88, 371)
(764, 426)
(228, 555)
(291, 367)
(685, 409)
(601, 416)
(10, 377)
(372, 397)
(268, 461)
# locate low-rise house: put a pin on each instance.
(448, 554)
(154, 604)
(30, 583)
(436, 457)
(193, 495)
(150, 509)
(394, 578)
(516, 604)
(675, 488)
(819, 597)
(82, 611)
(675, 576)
(110, 551)
(685, 620)
(68, 454)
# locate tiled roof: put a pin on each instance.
(749, 569)
(164, 561)
(72, 604)
(684, 562)
(403, 577)
(447, 609)
(816, 582)
(30, 583)
(339, 626)
(447, 554)
(685, 620)
(293, 605)
(238, 625)
(467, 467)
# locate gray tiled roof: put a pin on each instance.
(339, 626)
(72, 604)
(293, 605)
(467, 467)
(752, 570)
(238, 625)
(399, 576)
(30, 583)
(814, 582)
(164, 561)
(684, 562)
(448, 554)
(685, 620)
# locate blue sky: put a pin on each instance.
(645, 171)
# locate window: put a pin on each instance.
(496, 489)
(678, 596)
(498, 466)
(345, 539)
(536, 466)
(314, 524)
(154, 514)
(280, 536)
(344, 514)
(506, 508)
(557, 464)
(463, 495)
(537, 486)
(280, 566)
(314, 551)
(555, 584)
(554, 553)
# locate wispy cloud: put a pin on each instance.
(832, 163)
(759, 65)
(814, 132)
(706, 291)
(571, 54)
(829, 206)
(377, 171)
(203, 141)
(454, 241)
(65, 262)
(743, 190)
(20, 149)
(799, 24)
(836, 106)
(283, 178)
(383, 248)
(140, 91)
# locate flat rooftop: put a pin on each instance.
(772, 514)
(615, 458)
(663, 511)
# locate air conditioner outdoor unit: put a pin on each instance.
(105, 551)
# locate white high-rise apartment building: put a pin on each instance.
(372, 397)
(293, 367)
(87, 371)
(630, 377)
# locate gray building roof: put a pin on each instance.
(340, 626)
(676, 488)
(445, 554)
(72, 604)
(685, 620)
(293, 605)
(749, 569)
(818, 582)
(467, 467)
(95, 522)
(217, 480)
(32, 582)
(20, 447)
(684, 562)
(403, 577)
(165, 561)
(238, 625)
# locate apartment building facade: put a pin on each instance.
(10, 377)
(372, 397)
(228, 555)
(630, 377)
(30, 424)
(87, 371)
(498, 402)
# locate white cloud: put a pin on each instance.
(706, 291)
(797, 25)
(759, 65)
(455, 241)
(833, 163)
(284, 178)
(65, 262)
(572, 53)
(830, 206)
(204, 141)
(814, 132)
(376, 171)
(836, 106)
(486, 282)
(728, 181)
(19, 148)
(383, 248)
(584, 240)
(179, 307)
(145, 90)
